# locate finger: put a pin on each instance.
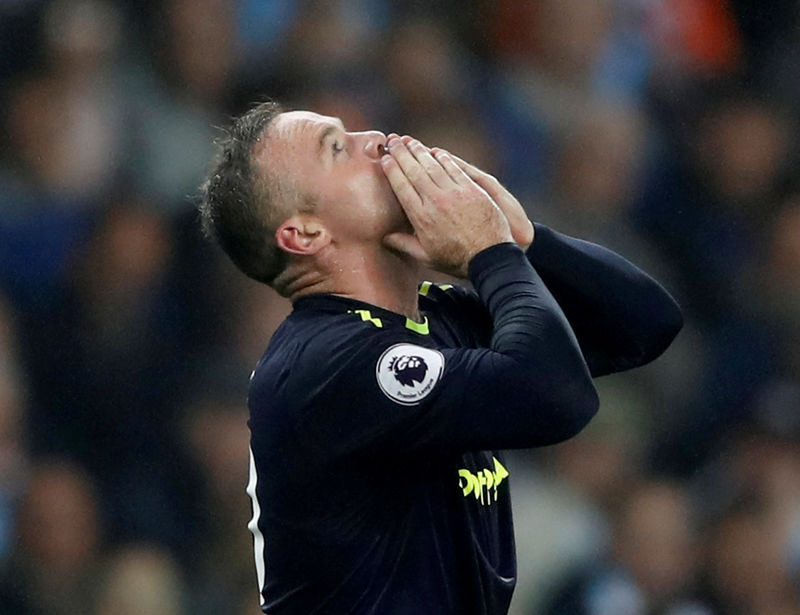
(384, 148)
(410, 166)
(483, 179)
(470, 169)
(405, 192)
(453, 170)
(406, 244)
(432, 166)
(488, 182)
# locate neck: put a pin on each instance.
(371, 274)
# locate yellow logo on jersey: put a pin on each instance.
(483, 485)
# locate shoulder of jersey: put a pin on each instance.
(303, 340)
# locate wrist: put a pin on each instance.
(543, 241)
(526, 237)
(488, 259)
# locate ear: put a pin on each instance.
(302, 235)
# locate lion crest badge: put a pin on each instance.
(407, 373)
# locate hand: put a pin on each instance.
(521, 226)
(453, 217)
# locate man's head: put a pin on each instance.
(288, 186)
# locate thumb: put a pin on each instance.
(406, 244)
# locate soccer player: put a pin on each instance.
(378, 409)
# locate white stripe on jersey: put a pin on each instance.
(258, 537)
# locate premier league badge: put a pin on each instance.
(407, 373)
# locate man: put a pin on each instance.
(378, 408)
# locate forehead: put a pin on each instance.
(291, 139)
(293, 125)
(288, 148)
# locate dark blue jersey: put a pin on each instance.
(376, 482)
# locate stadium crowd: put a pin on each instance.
(664, 129)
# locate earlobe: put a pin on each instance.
(299, 235)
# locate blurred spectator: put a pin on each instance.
(563, 505)
(596, 172)
(654, 561)
(428, 73)
(140, 580)
(753, 510)
(39, 140)
(218, 443)
(559, 60)
(52, 569)
(105, 364)
(708, 216)
(557, 44)
(334, 42)
(47, 191)
(177, 103)
(743, 151)
(82, 38)
(746, 570)
(596, 167)
(709, 213)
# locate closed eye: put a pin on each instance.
(333, 137)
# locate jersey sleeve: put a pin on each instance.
(621, 316)
(382, 392)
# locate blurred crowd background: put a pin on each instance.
(664, 129)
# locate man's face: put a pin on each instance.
(339, 171)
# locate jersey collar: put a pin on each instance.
(367, 312)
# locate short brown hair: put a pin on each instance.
(237, 205)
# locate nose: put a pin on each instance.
(373, 142)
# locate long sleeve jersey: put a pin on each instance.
(376, 478)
